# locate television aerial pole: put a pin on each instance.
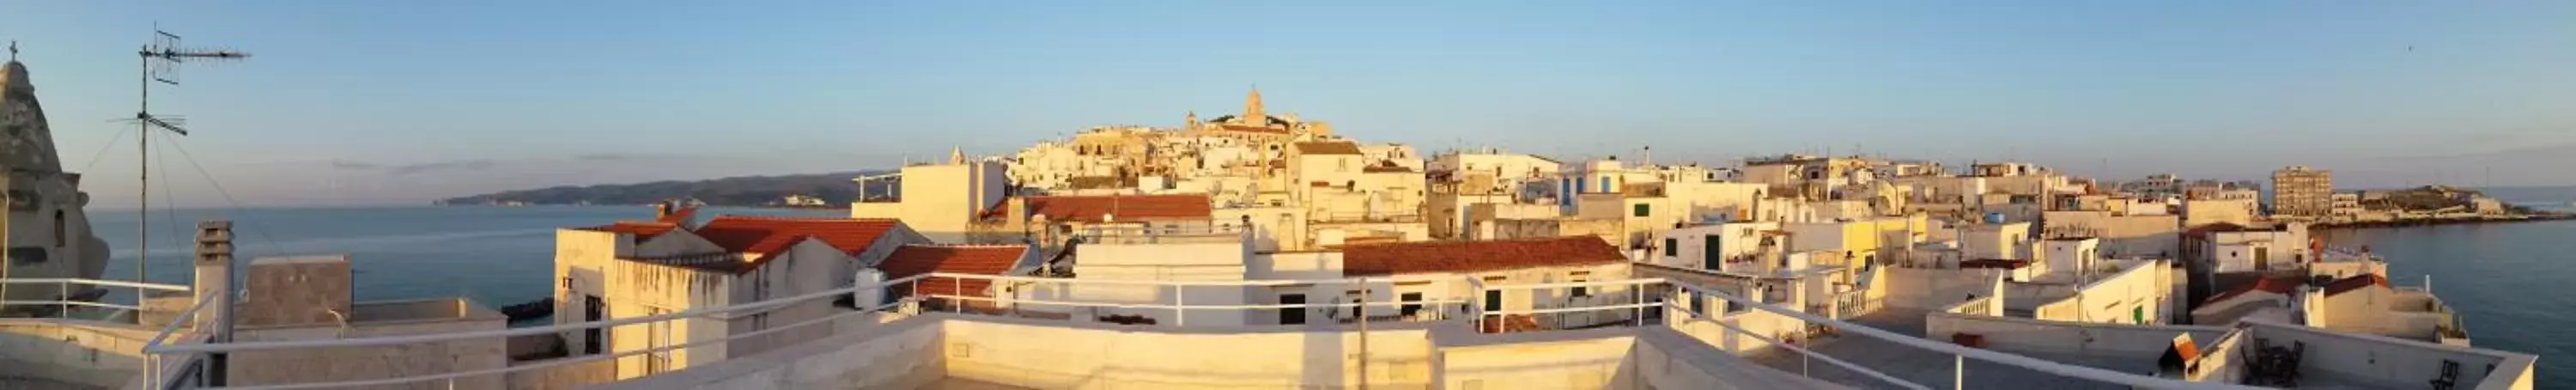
(161, 61)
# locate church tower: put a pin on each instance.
(1252, 110)
(48, 233)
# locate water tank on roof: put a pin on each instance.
(867, 298)
(1995, 218)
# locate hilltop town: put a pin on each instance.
(1262, 250)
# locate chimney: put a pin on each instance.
(214, 282)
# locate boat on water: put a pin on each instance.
(46, 233)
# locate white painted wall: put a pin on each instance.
(1590, 363)
(1059, 355)
(1690, 245)
(2140, 289)
(1931, 289)
(357, 363)
(2378, 359)
(1198, 261)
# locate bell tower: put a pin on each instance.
(1252, 109)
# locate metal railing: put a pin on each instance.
(1960, 354)
(179, 375)
(164, 347)
(63, 290)
(1569, 312)
(184, 372)
(1684, 315)
(1020, 286)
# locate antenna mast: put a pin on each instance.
(161, 61)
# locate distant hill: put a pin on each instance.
(834, 188)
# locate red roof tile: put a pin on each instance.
(770, 235)
(2340, 286)
(641, 230)
(1097, 208)
(911, 260)
(1472, 256)
(2273, 285)
(1328, 148)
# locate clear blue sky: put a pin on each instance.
(402, 102)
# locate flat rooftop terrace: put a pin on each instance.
(15, 383)
(1934, 368)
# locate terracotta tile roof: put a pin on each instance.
(770, 235)
(641, 230)
(912, 260)
(1472, 256)
(2340, 286)
(2283, 286)
(1328, 148)
(731, 263)
(1097, 208)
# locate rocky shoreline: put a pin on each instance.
(2444, 221)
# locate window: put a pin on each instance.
(1698, 304)
(658, 335)
(1643, 210)
(1292, 315)
(1493, 300)
(1581, 291)
(1709, 252)
(26, 255)
(1672, 246)
(1412, 303)
(592, 309)
(60, 237)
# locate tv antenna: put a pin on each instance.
(161, 61)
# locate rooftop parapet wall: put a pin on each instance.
(2360, 358)
(89, 353)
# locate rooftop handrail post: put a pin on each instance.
(956, 288)
(65, 298)
(1180, 306)
(1958, 371)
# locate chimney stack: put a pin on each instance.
(214, 281)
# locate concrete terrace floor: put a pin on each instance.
(1925, 367)
(15, 383)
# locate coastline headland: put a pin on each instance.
(2443, 221)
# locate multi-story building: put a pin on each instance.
(2303, 192)
(647, 268)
